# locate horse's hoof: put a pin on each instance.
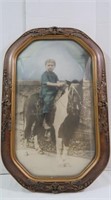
(37, 149)
(40, 151)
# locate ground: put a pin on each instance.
(50, 164)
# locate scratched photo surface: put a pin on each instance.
(67, 145)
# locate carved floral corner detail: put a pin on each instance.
(55, 31)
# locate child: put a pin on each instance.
(49, 88)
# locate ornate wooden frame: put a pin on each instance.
(51, 184)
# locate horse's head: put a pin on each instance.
(74, 97)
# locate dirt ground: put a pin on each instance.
(50, 164)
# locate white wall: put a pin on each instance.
(91, 16)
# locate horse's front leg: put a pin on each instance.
(36, 144)
(59, 146)
(65, 152)
(59, 149)
(62, 154)
(37, 131)
(29, 120)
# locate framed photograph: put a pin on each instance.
(55, 135)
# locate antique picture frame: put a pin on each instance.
(55, 134)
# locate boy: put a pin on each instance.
(49, 88)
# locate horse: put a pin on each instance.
(34, 120)
(71, 121)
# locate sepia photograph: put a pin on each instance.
(54, 129)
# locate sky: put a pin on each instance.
(69, 57)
